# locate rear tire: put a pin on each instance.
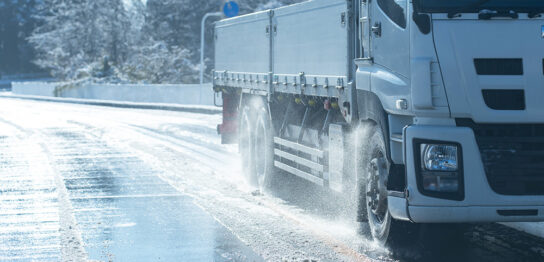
(246, 144)
(264, 149)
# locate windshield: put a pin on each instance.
(470, 6)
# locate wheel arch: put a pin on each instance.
(254, 101)
(371, 109)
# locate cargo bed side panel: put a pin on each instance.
(312, 37)
(242, 51)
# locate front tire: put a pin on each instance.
(374, 167)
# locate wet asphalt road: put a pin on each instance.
(68, 195)
(105, 184)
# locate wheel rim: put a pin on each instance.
(377, 190)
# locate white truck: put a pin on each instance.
(428, 111)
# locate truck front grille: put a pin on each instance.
(504, 99)
(513, 156)
(499, 66)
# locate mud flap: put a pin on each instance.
(337, 156)
(229, 128)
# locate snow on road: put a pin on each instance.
(536, 229)
(130, 149)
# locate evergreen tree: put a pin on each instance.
(17, 22)
(177, 22)
(155, 42)
(77, 36)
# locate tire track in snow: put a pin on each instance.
(72, 244)
(71, 241)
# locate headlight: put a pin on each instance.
(439, 157)
(439, 169)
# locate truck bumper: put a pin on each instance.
(479, 204)
(475, 214)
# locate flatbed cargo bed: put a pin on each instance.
(299, 49)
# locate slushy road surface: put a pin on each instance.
(107, 184)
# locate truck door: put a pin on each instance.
(390, 38)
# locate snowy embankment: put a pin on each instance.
(167, 94)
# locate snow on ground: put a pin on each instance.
(532, 228)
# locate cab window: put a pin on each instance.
(395, 10)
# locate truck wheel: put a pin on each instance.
(383, 228)
(246, 144)
(361, 139)
(264, 150)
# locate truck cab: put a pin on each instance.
(476, 71)
(429, 111)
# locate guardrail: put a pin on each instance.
(34, 88)
(185, 94)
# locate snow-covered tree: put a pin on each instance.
(177, 22)
(157, 62)
(78, 36)
(155, 42)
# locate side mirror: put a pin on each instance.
(423, 22)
